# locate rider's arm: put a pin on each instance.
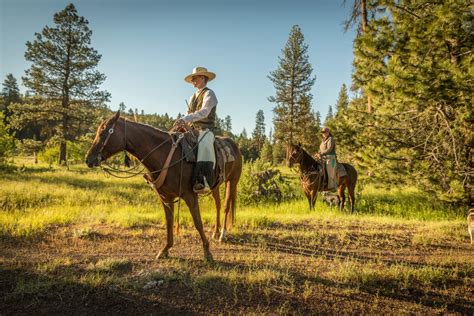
(209, 101)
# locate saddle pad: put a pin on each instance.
(224, 149)
(340, 170)
(224, 154)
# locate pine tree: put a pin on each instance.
(279, 152)
(329, 116)
(228, 126)
(342, 102)
(122, 107)
(417, 65)
(267, 151)
(6, 140)
(359, 17)
(258, 134)
(307, 128)
(64, 78)
(244, 145)
(292, 81)
(318, 120)
(10, 94)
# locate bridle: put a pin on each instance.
(132, 172)
(105, 141)
(298, 158)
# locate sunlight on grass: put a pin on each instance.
(38, 198)
(396, 277)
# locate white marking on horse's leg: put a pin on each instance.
(223, 235)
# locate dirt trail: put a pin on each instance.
(261, 271)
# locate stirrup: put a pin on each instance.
(200, 188)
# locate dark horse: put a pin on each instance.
(311, 177)
(151, 146)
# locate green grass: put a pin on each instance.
(397, 277)
(37, 198)
(100, 235)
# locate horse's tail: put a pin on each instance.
(352, 175)
(231, 197)
(233, 180)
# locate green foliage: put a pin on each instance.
(293, 120)
(64, 79)
(342, 103)
(329, 116)
(49, 154)
(7, 142)
(262, 183)
(10, 94)
(415, 63)
(279, 153)
(76, 151)
(245, 146)
(258, 134)
(267, 152)
(227, 126)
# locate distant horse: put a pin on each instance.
(152, 147)
(312, 180)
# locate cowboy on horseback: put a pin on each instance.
(327, 154)
(202, 116)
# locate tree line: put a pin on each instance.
(409, 119)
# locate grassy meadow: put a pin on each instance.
(78, 241)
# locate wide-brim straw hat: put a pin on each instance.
(200, 71)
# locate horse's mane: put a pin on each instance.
(309, 158)
(145, 125)
(308, 162)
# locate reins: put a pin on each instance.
(305, 175)
(111, 170)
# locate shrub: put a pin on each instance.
(262, 183)
(6, 140)
(76, 151)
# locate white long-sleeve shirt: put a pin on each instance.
(209, 101)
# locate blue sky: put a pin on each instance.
(149, 46)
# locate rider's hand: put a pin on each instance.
(179, 123)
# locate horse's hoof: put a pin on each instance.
(208, 257)
(162, 255)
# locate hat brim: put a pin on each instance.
(210, 76)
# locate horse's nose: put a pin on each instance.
(89, 162)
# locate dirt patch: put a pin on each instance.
(105, 269)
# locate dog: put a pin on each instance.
(470, 224)
(333, 200)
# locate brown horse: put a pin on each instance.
(151, 147)
(312, 180)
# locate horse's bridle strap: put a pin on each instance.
(109, 133)
(161, 178)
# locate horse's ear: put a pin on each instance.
(116, 116)
(299, 144)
